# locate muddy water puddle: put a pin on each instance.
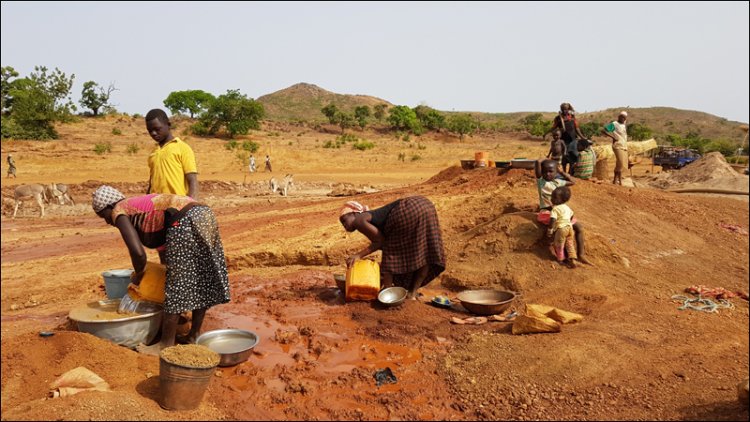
(310, 352)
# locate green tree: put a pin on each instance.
(379, 111)
(361, 113)
(639, 132)
(232, 111)
(590, 129)
(344, 120)
(403, 118)
(193, 101)
(7, 73)
(33, 104)
(330, 112)
(536, 125)
(57, 86)
(95, 97)
(429, 118)
(462, 124)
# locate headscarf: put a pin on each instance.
(353, 206)
(623, 113)
(105, 196)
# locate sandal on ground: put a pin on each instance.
(469, 321)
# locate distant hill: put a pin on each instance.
(303, 101)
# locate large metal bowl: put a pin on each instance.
(486, 302)
(392, 296)
(232, 344)
(128, 331)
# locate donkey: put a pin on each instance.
(288, 184)
(26, 192)
(59, 191)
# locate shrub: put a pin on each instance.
(250, 146)
(231, 145)
(416, 157)
(347, 137)
(103, 147)
(116, 131)
(137, 116)
(363, 145)
(133, 148)
(420, 146)
(332, 144)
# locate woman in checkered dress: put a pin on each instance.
(408, 232)
(187, 232)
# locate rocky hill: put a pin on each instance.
(303, 101)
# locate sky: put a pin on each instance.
(489, 57)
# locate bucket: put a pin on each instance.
(182, 387)
(116, 283)
(481, 158)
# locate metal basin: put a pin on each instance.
(486, 302)
(128, 331)
(232, 344)
(392, 296)
(522, 163)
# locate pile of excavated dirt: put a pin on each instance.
(30, 363)
(711, 172)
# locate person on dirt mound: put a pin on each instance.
(584, 168)
(561, 228)
(618, 132)
(556, 147)
(549, 179)
(408, 232)
(197, 277)
(566, 122)
(172, 163)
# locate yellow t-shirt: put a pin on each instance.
(169, 165)
(562, 215)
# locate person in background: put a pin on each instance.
(196, 277)
(268, 164)
(618, 132)
(584, 168)
(11, 167)
(566, 122)
(172, 163)
(408, 232)
(252, 164)
(556, 147)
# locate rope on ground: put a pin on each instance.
(701, 304)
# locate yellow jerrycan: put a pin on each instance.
(152, 284)
(363, 280)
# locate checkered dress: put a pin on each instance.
(412, 240)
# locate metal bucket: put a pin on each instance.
(182, 387)
(116, 283)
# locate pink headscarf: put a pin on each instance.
(353, 206)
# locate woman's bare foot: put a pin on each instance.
(572, 263)
(152, 350)
(188, 339)
(583, 260)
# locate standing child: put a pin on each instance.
(172, 163)
(11, 167)
(557, 149)
(547, 181)
(268, 164)
(561, 226)
(252, 163)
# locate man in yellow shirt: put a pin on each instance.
(171, 164)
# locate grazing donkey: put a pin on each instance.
(59, 191)
(26, 192)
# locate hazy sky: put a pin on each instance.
(491, 57)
